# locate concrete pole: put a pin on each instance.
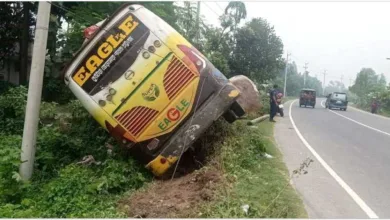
(197, 23)
(304, 75)
(34, 91)
(285, 76)
(323, 87)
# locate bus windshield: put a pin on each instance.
(111, 55)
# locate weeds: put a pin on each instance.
(60, 187)
(252, 179)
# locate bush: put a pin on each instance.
(55, 90)
(80, 191)
(10, 186)
(4, 86)
(60, 187)
(12, 110)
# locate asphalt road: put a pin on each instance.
(350, 176)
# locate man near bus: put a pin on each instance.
(272, 103)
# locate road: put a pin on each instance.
(350, 176)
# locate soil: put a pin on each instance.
(196, 180)
(177, 198)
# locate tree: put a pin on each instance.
(335, 86)
(238, 10)
(10, 15)
(366, 82)
(258, 51)
(382, 81)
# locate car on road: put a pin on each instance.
(307, 98)
(337, 100)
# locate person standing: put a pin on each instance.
(272, 103)
(374, 106)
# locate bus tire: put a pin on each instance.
(237, 109)
(229, 116)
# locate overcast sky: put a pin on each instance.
(341, 37)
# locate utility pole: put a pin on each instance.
(285, 75)
(34, 91)
(304, 75)
(197, 22)
(323, 87)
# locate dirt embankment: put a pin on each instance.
(196, 182)
(180, 197)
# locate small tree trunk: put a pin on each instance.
(8, 70)
(24, 43)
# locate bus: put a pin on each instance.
(148, 86)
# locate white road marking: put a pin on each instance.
(344, 185)
(359, 123)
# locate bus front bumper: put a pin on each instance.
(193, 129)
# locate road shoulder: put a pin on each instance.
(323, 197)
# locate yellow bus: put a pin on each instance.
(148, 86)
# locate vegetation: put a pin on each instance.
(370, 86)
(295, 81)
(79, 170)
(253, 179)
(61, 187)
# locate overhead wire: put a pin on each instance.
(92, 22)
(211, 8)
(73, 13)
(220, 7)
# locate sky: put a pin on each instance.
(339, 37)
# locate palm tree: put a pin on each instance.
(234, 12)
(237, 9)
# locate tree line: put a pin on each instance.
(370, 86)
(235, 47)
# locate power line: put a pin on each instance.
(220, 7)
(73, 13)
(211, 9)
(285, 75)
(92, 22)
(304, 74)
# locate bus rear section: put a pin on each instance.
(149, 87)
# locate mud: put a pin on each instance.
(177, 198)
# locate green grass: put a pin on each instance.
(260, 182)
(383, 112)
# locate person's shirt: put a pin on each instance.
(272, 94)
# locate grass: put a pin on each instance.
(383, 112)
(252, 179)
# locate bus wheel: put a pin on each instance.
(229, 116)
(237, 109)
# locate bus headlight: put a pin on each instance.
(109, 98)
(157, 43)
(112, 91)
(146, 55)
(102, 103)
(151, 49)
